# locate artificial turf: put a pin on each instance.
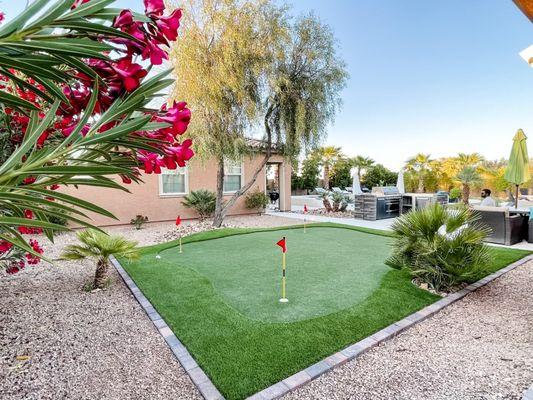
(220, 297)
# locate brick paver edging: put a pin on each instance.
(528, 394)
(197, 375)
(210, 392)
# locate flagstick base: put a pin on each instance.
(283, 300)
(158, 257)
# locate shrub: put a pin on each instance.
(139, 221)
(455, 194)
(256, 201)
(441, 247)
(202, 201)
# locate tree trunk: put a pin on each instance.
(421, 185)
(100, 277)
(466, 193)
(219, 205)
(326, 177)
(222, 208)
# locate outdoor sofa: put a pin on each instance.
(506, 229)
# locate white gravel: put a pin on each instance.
(59, 342)
(478, 348)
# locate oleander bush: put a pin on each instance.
(441, 247)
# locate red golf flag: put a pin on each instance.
(305, 208)
(178, 221)
(282, 244)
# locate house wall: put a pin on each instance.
(145, 198)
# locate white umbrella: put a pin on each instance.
(399, 184)
(356, 185)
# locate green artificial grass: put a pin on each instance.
(220, 297)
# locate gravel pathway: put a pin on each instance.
(478, 348)
(59, 342)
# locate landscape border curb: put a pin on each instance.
(200, 379)
(291, 383)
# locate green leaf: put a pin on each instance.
(16, 102)
(29, 140)
(51, 14)
(118, 131)
(32, 69)
(24, 84)
(18, 22)
(77, 170)
(69, 47)
(25, 200)
(87, 9)
(16, 221)
(71, 200)
(90, 27)
(109, 14)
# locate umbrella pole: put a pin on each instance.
(516, 198)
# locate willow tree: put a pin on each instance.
(242, 62)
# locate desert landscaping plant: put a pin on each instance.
(100, 246)
(139, 221)
(441, 247)
(257, 200)
(202, 201)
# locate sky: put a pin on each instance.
(425, 76)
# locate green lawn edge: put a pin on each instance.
(243, 356)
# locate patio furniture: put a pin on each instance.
(337, 189)
(506, 229)
(320, 191)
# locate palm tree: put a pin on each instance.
(100, 246)
(361, 163)
(420, 167)
(327, 156)
(473, 160)
(468, 177)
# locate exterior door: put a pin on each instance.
(273, 185)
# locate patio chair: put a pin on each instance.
(506, 229)
(320, 191)
(337, 189)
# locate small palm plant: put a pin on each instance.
(441, 247)
(202, 201)
(100, 246)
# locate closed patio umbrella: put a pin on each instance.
(355, 183)
(517, 171)
(399, 183)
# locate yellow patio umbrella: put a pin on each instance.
(517, 171)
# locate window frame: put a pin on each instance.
(173, 172)
(241, 175)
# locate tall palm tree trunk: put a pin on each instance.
(100, 277)
(326, 176)
(466, 193)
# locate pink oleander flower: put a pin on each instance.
(178, 154)
(169, 25)
(154, 7)
(152, 162)
(178, 115)
(154, 52)
(130, 73)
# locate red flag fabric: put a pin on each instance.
(178, 221)
(305, 208)
(282, 244)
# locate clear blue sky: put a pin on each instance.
(426, 76)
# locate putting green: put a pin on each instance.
(328, 270)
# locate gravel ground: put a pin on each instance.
(478, 348)
(59, 342)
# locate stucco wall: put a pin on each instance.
(145, 199)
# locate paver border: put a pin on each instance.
(200, 379)
(291, 383)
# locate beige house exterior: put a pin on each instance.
(160, 196)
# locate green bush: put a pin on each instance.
(455, 193)
(256, 201)
(202, 201)
(441, 247)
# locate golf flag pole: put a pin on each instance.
(282, 243)
(178, 223)
(305, 213)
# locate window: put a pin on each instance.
(233, 176)
(173, 181)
